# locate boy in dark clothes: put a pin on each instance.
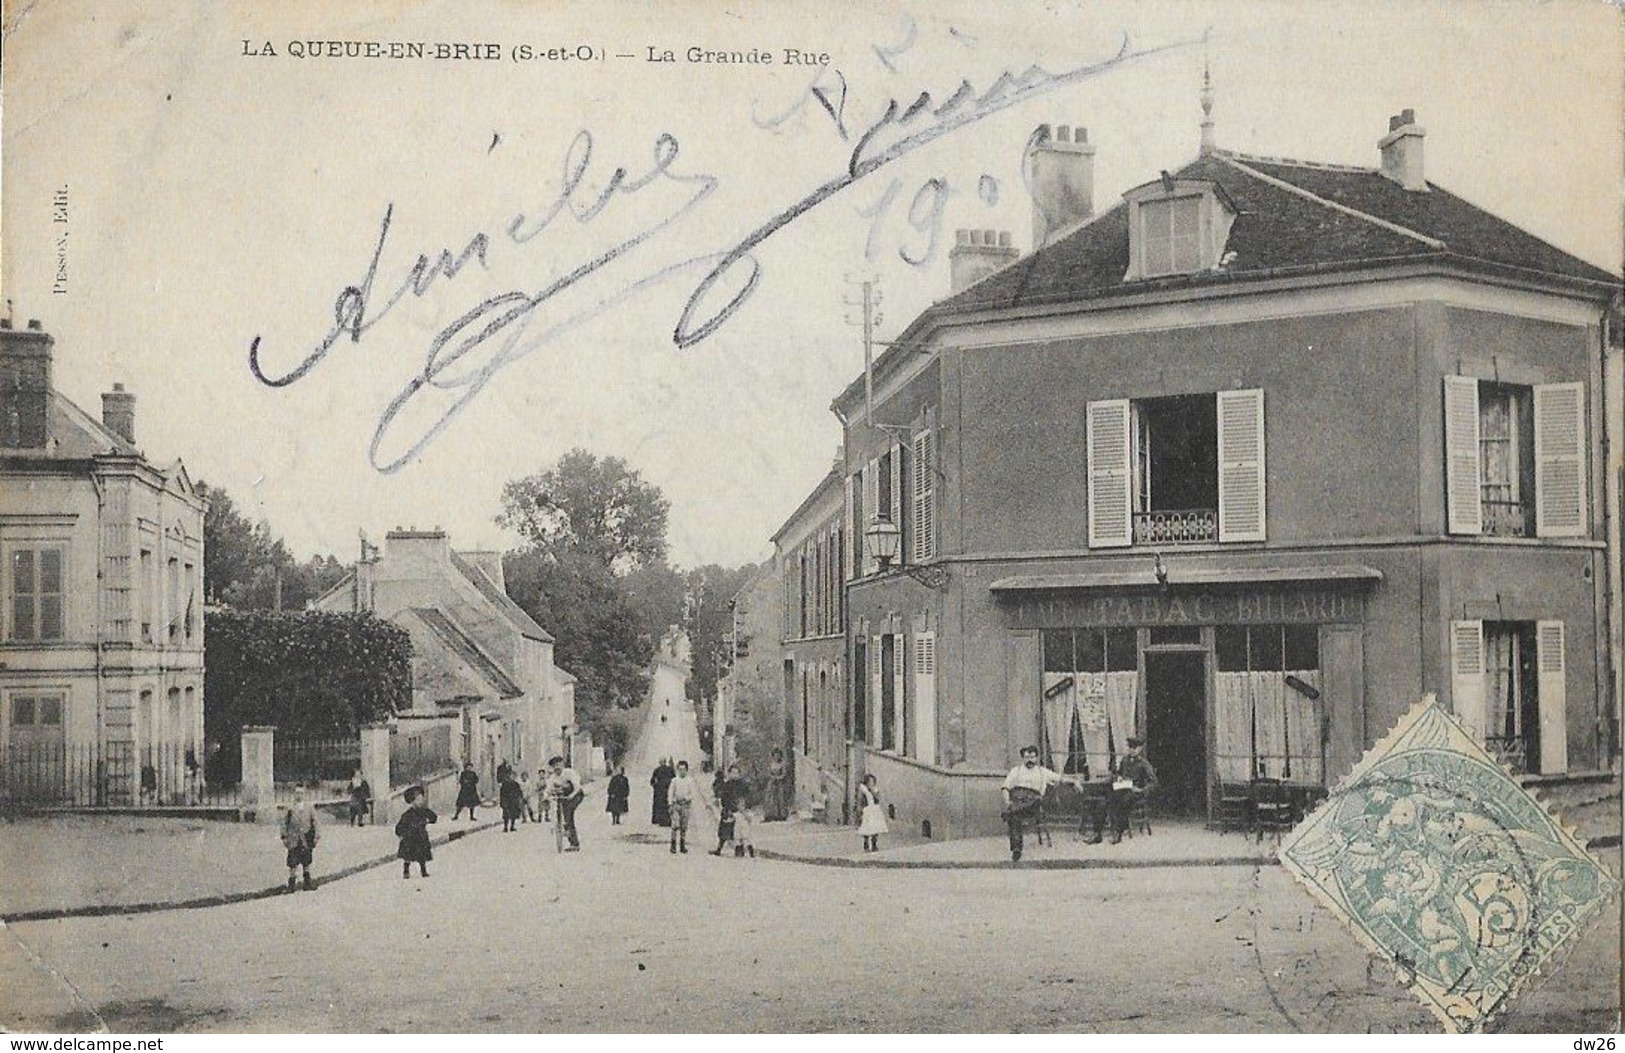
(413, 830)
(512, 799)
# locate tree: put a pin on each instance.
(247, 567)
(600, 509)
(708, 620)
(600, 636)
(306, 673)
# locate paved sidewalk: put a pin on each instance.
(1171, 844)
(66, 865)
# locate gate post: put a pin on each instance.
(375, 768)
(259, 773)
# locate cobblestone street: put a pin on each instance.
(507, 935)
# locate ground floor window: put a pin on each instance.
(1511, 693)
(1266, 714)
(1091, 688)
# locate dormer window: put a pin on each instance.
(1173, 237)
(1177, 226)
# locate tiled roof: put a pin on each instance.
(459, 643)
(524, 623)
(1323, 217)
(74, 435)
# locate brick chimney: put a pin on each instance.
(25, 385)
(1402, 151)
(118, 413)
(975, 255)
(1063, 180)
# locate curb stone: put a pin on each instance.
(101, 910)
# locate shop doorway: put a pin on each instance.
(1176, 728)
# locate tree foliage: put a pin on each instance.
(306, 673)
(708, 620)
(247, 567)
(590, 507)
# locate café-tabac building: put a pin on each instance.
(1242, 464)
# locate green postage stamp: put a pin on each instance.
(1444, 866)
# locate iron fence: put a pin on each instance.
(417, 754)
(114, 775)
(314, 761)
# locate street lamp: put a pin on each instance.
(884, 539)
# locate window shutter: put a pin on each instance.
(925, 525)
(1463, 499)
(1110, 524)
(871, 509)
(1241, 465)
(899, 699)
(848, 550)
(875, 669)
(897, 504)
(1553, 697)
(925, 696)
(1560, 462)
(1467, 676)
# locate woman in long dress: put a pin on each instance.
(873, 814)
(776, 806)
(619, 796)
(659, 811)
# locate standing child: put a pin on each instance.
(525, 795)
(873, 814)
(413, 830)
(544, 803)
(677, 802)
(512, 799)
(742, 841)
(299, 837)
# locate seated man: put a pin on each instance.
(1135, 779)
(1024, 791)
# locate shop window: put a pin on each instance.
(1267, 712)
(36, 593)
(1515, 463)
(1090, 691)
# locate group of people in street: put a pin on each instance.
(1131, 781)
(674, 793)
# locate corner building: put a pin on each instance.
(1244, 465)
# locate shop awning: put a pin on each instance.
(1175, 576)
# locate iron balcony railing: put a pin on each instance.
(1508, 518)
(1182, 526)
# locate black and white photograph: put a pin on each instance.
(812, 517)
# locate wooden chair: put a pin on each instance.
(1139, 813)
(1273, 807)
(1235, 807)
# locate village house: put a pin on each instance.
(478, 660)
(101, 631)
(1243, 464)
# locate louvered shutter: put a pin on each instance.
(925, 523)
(1464, 509)
(848, 550)
(1110, 521)
(1550, 667)
(871, 509)
(899, 699)
(925, 697)
(897, 502)
(1467, 676)
(1560, 462)
(875, 668)
(1241, 465)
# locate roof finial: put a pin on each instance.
(1207, 100)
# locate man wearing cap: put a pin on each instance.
(1135, 778)
(1024, 791)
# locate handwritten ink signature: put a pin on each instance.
(500, 327)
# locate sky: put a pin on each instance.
(225, 191)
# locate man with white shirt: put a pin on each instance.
(681, 793)
(1024, 790)
(564, 786)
